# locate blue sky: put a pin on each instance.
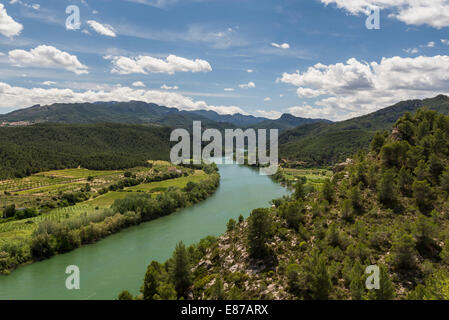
(311, 58)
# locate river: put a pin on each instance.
(119, 262)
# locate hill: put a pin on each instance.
(44, 147)
(287, 121)
(137, 112)
(328, 143)
(388, 210)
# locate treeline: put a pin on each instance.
(51, 237)
(31, 149)
(388, 207)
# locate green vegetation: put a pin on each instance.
(94, 213)
(387, 207)
(321, 144)
(42, 147)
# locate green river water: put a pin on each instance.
(119, 262)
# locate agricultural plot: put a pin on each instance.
(79, 173)
(314, 177)
(24, 228)
(161, 186)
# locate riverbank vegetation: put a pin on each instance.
(129, 198)
(387, 207)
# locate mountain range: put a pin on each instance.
(137, 112)
(303, 141)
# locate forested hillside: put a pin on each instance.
(137, 112)
(388, 207)
(326, 144)
(42, 147)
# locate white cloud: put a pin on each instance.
(445, 41)
(247, 85)
(411, 50)
(19, 97)
(431, 44)
(307, 111)
(138, 84)
(356, 88)
(267, 99)
(8, 27)
(250, 70)
(434, 13)
(281, 46)
(48, 83)
(147, 64)
(48, 57)
(269, 114)
(165, 87)
(103, 29)
(229, 89)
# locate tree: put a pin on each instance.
(125, 295)
(422, 192)
(181, 275)
(377, 142)
(347, 210)
(300, 192)
(404, 252)
(321, 283)
(356, 198)
(328, 192)
(9, 211)
(231, 225)
(444, 180)
(166, 291)
(421, 171)
(151, 281)
(259, 233)
(357, 285)
(387, 189)
(218, 290)
(292, 213)
(405, 180)
(386, 289)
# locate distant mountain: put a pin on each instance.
(237, 119)
(287, 121)
(327, 143)
(137, 112)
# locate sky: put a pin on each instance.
(309, 58)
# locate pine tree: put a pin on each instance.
(151, 281)
(300, 192)
(321, 283)
(405, 181)
(259, 232)
(386, 289)
(328, 191)
(357, 285)
(387, 189)
(181, 275)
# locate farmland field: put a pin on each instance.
(22, 229)
(314, 176)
